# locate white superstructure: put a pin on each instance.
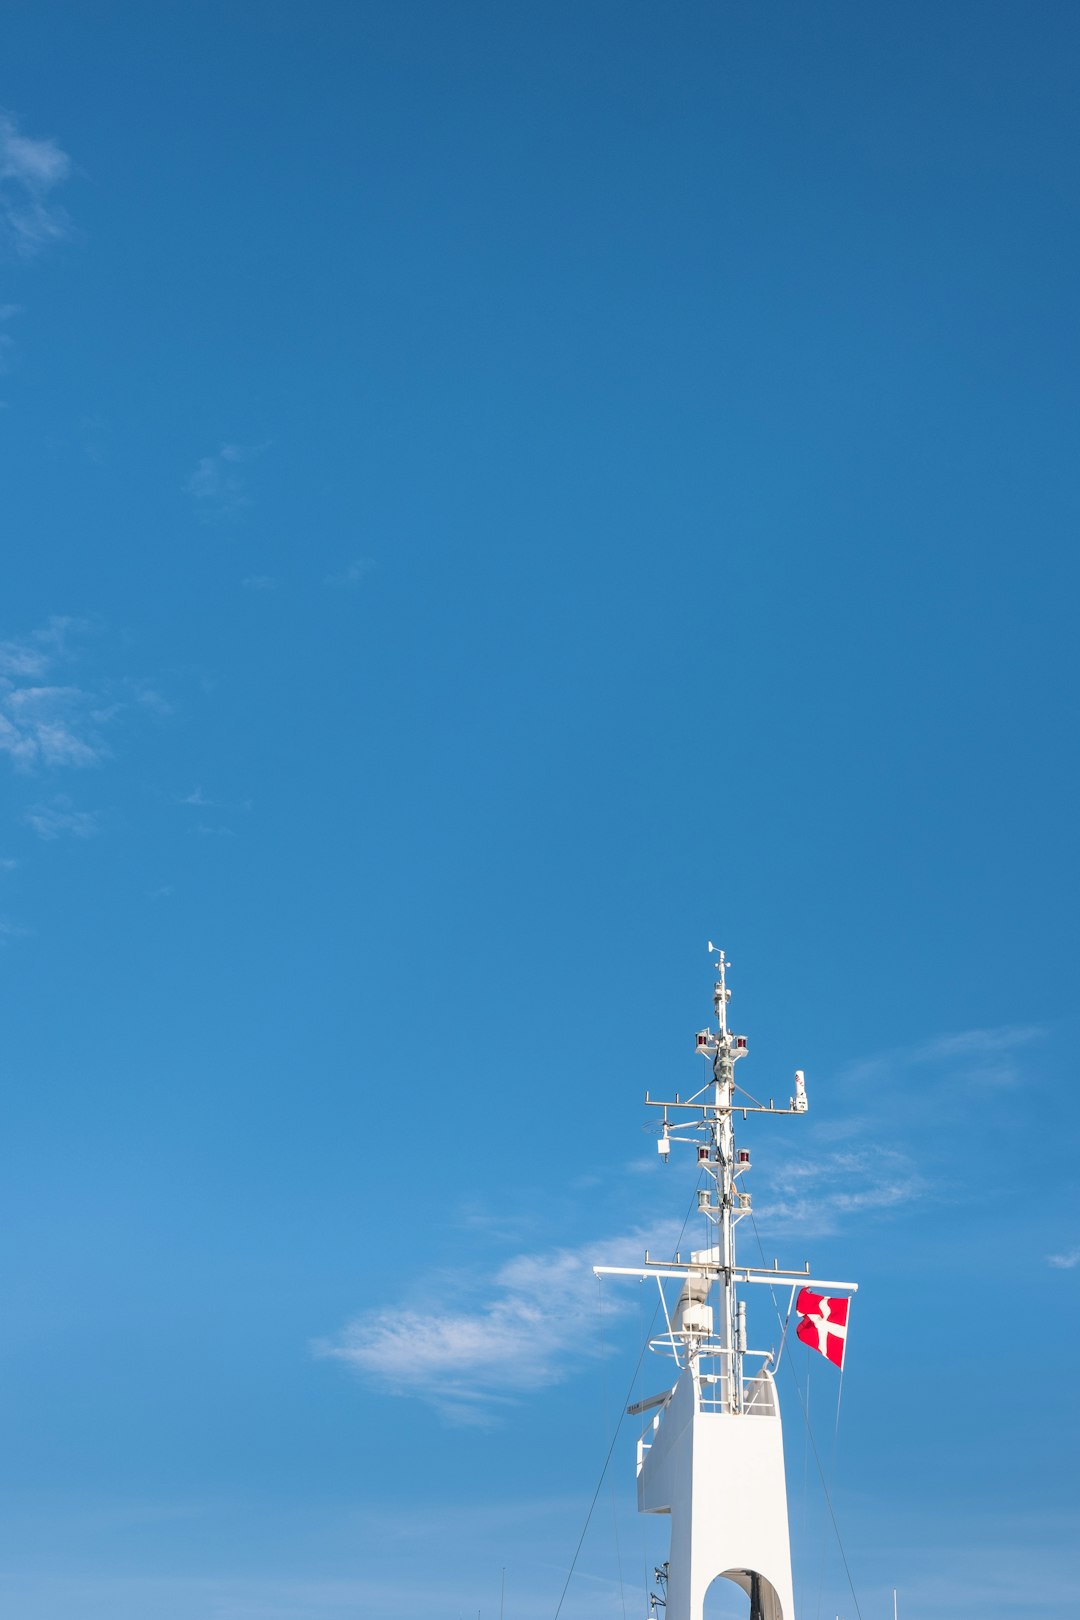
(712, 1453)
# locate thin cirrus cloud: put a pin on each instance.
(868, 1142)
(889, 1092)
(51, 723)
(31, 168)
(815, 1194)
(34, 654)
(46, 723)
(1064, 1262)
(218, 486)
(353, 574)
(198, 800)
(471, 1348)
(990, 1057)
(58, 818)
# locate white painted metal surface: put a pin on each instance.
(720, 1475)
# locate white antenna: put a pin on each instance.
(721, 995)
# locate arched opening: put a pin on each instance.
(742, 1594)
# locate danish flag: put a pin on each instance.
(823, 1324)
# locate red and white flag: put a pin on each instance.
(823, 1324)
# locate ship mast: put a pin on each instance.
(711, 1451)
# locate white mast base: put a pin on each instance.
(720, 1475)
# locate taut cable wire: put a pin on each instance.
(604, 1401)
(618, 1426)
(810, 1434)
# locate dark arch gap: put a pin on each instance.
(741, 1594)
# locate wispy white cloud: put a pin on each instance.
(815, 1193)
(47, 720)
(259, 582)
(352, 575)
(642, 1167)
(48, 723)
(217, 486)
(31, 168)
(35, 654)
(51, 726)
(471, 1348)
(141, 695)
(58, 818)
(990, 1056)
(199, 800)
(862, 1160)
(1064, 1262)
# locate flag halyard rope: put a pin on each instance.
(810, 1433)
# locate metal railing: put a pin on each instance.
(758, 1395)
(714, 1396)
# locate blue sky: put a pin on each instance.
(495, 495)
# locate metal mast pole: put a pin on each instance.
(724, 1139)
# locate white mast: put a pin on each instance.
(723, 1136)
(711, 1454)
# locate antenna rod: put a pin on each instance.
(721, 992)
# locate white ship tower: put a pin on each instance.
(712, 1455)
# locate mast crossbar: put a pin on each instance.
(713, 1108)
(740, 1274)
